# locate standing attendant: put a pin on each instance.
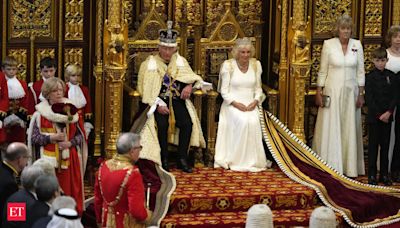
(338, 130)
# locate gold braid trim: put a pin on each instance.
(110, 210)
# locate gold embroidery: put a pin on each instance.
(110, 205)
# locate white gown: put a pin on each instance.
(338, 130)
(239, 140)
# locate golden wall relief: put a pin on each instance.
(73, 56)
(373, 18)
(368, 49)
(215, 11)
(40, 54)
(249, 11)
(326, 13)
(20, 55)
(74, 19)
(315, 59)
(31, 17)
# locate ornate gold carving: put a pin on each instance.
(299, 38)
(283, 67)
(74, 12)
(373, 18)
(215, 10)
(21, 56)
(327, 12)
(73, 56)
(248, 11)
(40, 54)
(368, 49)
(227, 32)
(99, 32)
(211, 127)
(315, 59)
(31, 17)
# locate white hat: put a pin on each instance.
(323, 217)
(259, 216)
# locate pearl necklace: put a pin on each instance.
(243, 68)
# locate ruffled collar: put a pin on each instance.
(15, 89)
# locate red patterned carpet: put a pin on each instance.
(220, 198)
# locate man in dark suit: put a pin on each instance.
(47, 189)
(58, 203)
(26, 195)
(15, 159)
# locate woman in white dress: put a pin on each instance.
(239, 144)
(338, 130)
(393, 64)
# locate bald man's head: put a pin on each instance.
(15, 151)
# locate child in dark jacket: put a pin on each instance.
(381, 98)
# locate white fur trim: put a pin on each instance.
(179, 61)
(44, 109)
(152, 64)
(168, 44)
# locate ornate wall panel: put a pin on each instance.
(326, 12)
(396, 12)
(315, 59)
(40, 54)
(249, 11)
(20, 55)
(373, 18)
(31, 17)
(74, 12)
(368, 49)
(73, 56)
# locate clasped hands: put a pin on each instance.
(59, 138)
(243, 107)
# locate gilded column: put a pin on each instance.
(115, 45)
(99, 86)
(183, 23)
(283, 67)
(211, 127)
(299, 37)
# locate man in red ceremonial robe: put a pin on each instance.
(15, 122)
(119, 191)
(48, 67)
(3, 105)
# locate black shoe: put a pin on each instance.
(165, 165)
(372, 180)
(184, 166)
(396, 176)
(386, 180)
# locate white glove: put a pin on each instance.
(158, 102)
(206, 86)
(1, 124)
(88, 128)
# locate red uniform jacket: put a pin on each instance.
(3, 104)
(16, 133)
(130, 207)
